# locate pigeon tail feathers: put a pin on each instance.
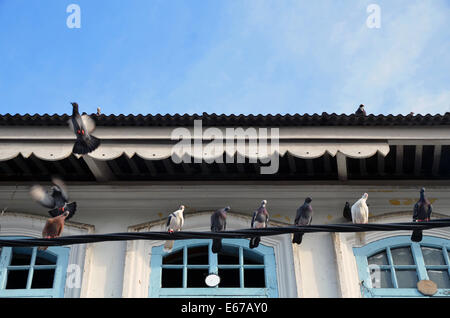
(254, 242)
(168, 246)
(71, 207)
(217, 245)
(298, 237)
(83, 147)
(416, 236)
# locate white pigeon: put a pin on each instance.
(175, 222)
(360, 211)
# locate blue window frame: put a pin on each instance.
(392, 267)
(28, 272)
(244, 272)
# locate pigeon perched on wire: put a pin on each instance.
(54, 227)
(361, 110)
(347, 212)
(303, 217)
(422, 213)
(175, 222)
(83, 126)
(57, 199)
(360, 211)
(218, 224)
(260, 220)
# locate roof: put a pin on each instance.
(323, 119)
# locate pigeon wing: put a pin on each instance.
(253, 218)
(416, 211)
(38, 194)
(169, 220)
(266, 213)
(88, 123)
(430, 210)
(62, 187)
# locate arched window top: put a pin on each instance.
(393, 266)
(198, 253)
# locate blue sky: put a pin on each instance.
(224, 56)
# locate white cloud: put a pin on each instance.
(295, 56)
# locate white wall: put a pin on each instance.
(114, 208)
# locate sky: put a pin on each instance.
(225, 56)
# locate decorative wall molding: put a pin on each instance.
(22, 224)
(58, 150)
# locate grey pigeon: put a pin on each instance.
(57, 199)
(260, 220)
(361, 110)
(54, 227)
(303, 217)
(422, 213)
(83, 126)
(218, 224)
(347, 212)
(175, 222)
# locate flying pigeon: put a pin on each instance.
(54, 227)
(347, 212)
(303, 217)
(422, 213)
(175, 222)
(260, 220)
(57, 199)
(360, 110)
(82, 126)
(360, 211)
(218, 224)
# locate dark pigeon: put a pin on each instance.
(57, 199)
(218, 224)
(361, 110)
(347, 212)
(82, 126)
(303, 217)
(422, 213)
(260, 220)
(54, 227)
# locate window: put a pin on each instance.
(392, 267)
(243, 272)
(28, 272)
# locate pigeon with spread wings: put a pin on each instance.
(57, 199)
(83, 126)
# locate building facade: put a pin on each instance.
(147, 166)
